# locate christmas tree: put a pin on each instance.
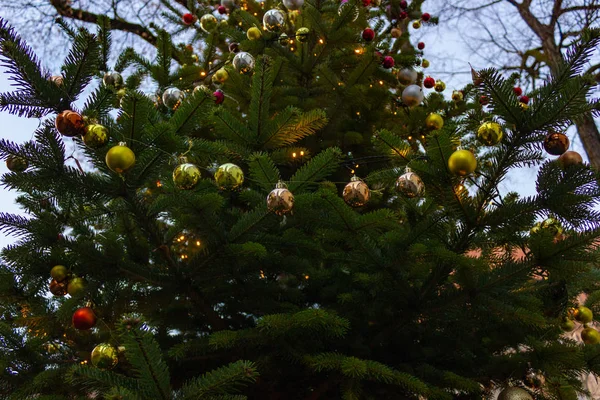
(297, 212)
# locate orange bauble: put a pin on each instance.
(84, 318)
(69, 123)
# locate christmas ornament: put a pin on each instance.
(229, 4)
(57, 80)
(69, 123)
(188, 18)
(293, 4)
(16, 163)
(368, 34)
(221, 75)
(583, 315)
(274, 20)
(412, 95)
(403, 15)
(172, 98)
(484, 100)
(353, 10)
(356, 193)
(58, 289)
(388, 62)
(425, 17)
(550, 224)
(434, 121)
(302, 34)
(567, 325)
(517, 90)
(95, 136)
(440, 86)
(186, 175)
(457, 95)
(556, 143)
(234, 47)
(253, 33)
(84, 318)
(243, 62)
(366, 3)
(570, 158)
(429, 82)
(403, 4)
(514, 393)
(425, 63)
(280, 200)
(590, 336)
(407, 76)
(222, 10)
(120, 158)
(104, 356)
(490, 133)
(416, 24)
(59, 273)
(524, 99)
(283, 39)
(396, 33)
(113, 79)
(535, 379)
(219, 96)
(409, 184)
(420, 45)
(209, 23)
(229, 176)
(76, 287)
(462, 162)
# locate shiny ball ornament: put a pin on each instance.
(229, 176)
(590, 336)
(219, 96)
(584, 315)
(104, 356)
(410, 185)
(243, 62)
(16, 163)
(425, 17)
(412, 95)
(434, 121)
(188, 18)
(517, 90)
(69, 123)
(57, 80)
(113, 79)
(253, 33)
(76, 287)
(425, 63)
(356, 193)
(84, 318)
(457, 95)
(420, 45)
(59, 273)
(524, 99)
(368, 34)
(302, 34)
(396, 33)
(514, 393)
(234, 48)
(462, 162)
(221, 75)
(209, 23)
(229, 4)
(172, 98)
(570, 158)
(556, 143)
(416, 24)
(222, 10)
(490, 133)
(407, 76)
(484, 100)
(274, 20)
(186, 176)
(439, 86)
(283, 39)
(293, 4)
(388, 62)
(535, 379)
(567, 325)
(280, 201)
(58, 289)
(428, 82)
(550, 224)
(348, 9)
(120, 158)
(95, 136)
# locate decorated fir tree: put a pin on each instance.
(297, 212)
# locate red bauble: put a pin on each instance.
(403, 15)
(84, 318)
(420, 45)
(219, 96)
(426, 17)
(222, 10)
(368, 34)
(188, 18)
(366, 3)
(429, 82)
(518, 91)
(484, 101)
(404, 4)
(388, 62)
(524, 99)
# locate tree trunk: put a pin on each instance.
(590, 137)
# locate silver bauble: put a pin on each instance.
(356, 193)
(113, 78)
(412, 95)
(274, 20)
(243, 62)
(280, 200)
(353, 12)
(410, 184)
(172, 98)
(293, 4)
(407, 76)
(209, 23)
(229, 4)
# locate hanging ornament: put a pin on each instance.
(243, 62)
(302, 34)
(514, 393)
(120, 158)
(420, 45)
(517, 90)
(570, 158)
(274, 20)
(567, 325)
(353, 10)
(457, 95)
(113, 79)
(219, 96)
(188, 18)
(416, 24)
(556, 143)
(425, 17)
(59, 273)
(368, 34)
(16, 163)
(253, 33)
(229, 4)
(186, 175)
(484, 100)
(550, 224)
(69, 123)
(590, 336)
(440, 86)
(229, 176)
(407, 76)
(76, 287)
(403, 4)
(84, 318)
(209, 23)
(583, 315)
(280, 201)
(95, 136)
(490, 133)
(234, 48)
(57, 80)
(409, 184)
(535, 379)
(104, 356)
(293, 4)
(221, 75)
(58, 289)
(356, 193)
(396, 33)
(434, 121)
(425, 63)
(429, 82)
(462, 162)
(172, 98)
(412, 95)
(283, 39)
(222, 10)
(524, 99)
(388, 62)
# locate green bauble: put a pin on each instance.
(120, 158)
(584, 315)
(229, 176)
(590, 336)
(104, 356)
(489, 133)
(567, 325)
(186, 176)
(302, 34)
(59, 273)
(16, 163)
(76, 287)
(95, 135)
(462, 162)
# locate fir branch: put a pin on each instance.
(316, 169)
(80, 64)
(263, 171)
(221, 381)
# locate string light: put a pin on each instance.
(410, 138)
(202, 73)
(262, 274)
(358, 50)
(306, 277)
(302, 153)
(381, 83)
(321, 41)
(294, 155)
(198, 243)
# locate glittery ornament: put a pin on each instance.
(222, 10)
(356, 193)
(407, 76)
(172, 98)
(425, 17)
(462, 162)
(104, 356)
(368, 34)
(535, 378)
(243, 62)
(280, 201)
(293, 4)
(229, 176)
(514, 393)
(490, 133)
(69, 123)
(434, 121)
(409, 184)
(274, 20)
(209, 23)
(95, 136)
(113, 79)
(120, 158)
(221, 75)
(388, 62)
(302, 34)
(412, 95)
(556, 143)
(186, 175)
(428, 82)
(16, 163)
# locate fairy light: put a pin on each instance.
(321, 41)
(302, 153)
(395, 112)
(291, 41)
(358, 50)
(291, 48)
(422, 136)
(460, 187)
(306, 277)
(262, 274)
(351, 171)
(356, 166)
(202, 73)
(381, 83)
(198, 243)
(294, 154)
(410, 138)
(184, 256)
(358, 113)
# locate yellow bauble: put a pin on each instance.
(302, 34)
(229, 176)
(254, 33)
(186, 176)
(584, 315)
(221, 75)
(434, 121)
(120, 158)
(490, 133)
(95, 135)
(59, 273)
(76, 287)
(462, 162)
(590, 336)
(104, 356)
(439, 86)
(416, 24)
(425, 63)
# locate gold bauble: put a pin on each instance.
(253, 33)
(535, 379)
(57, 80)
(69, 123)
(416, 24)
(208, 23)
(58, 288)
(76, 287)
(396, 33)
(302, 34)
(410, 184)
(120, 158)
(434, 121)
(590, 336)
(490, 133)
(567, 325)
(95, 136)
(186, 176)
(356, 193)
(439, 86)
(584, 315)
(457, 95)
(425, 63)
(280, 200)
(462, 162)
(514, 393)
(556, 143)
(16, 163)
(104, 356)
(59, 273)
(570, 158)
(221, 75)
(229, 176)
